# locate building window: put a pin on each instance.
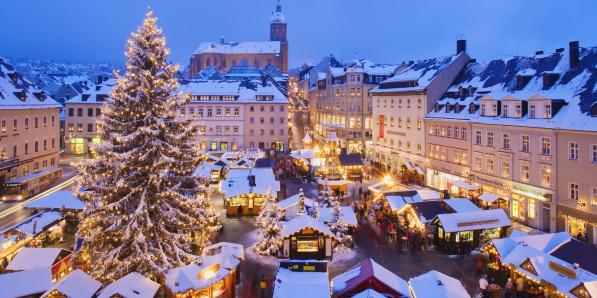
(419, 103)
(483, 111)
(26, 123)
(531, 211)
(573, 191)
(35, 122)
(89, 112)
(209, 113)
(15, 122)
(200, 112)
(80, 127)
(547, 111)
(490, 167)
(478, 163)
(271, 132)
(281, 120)
(26, 148)
(251, 120)
(489, 139)
(524, 173)
(478, 136)
(463, 135)
(525, 144)
(443, 131)
(545, 146)
(71, 112)
(227, 112)
(573, 151)
(53, 143)
(45, 145)
(518, 111)
(45, 121)
(456, 133)
(505, 169)
(430, 130)
(532, 112)
(437, 130)
(80, 112)
(89, 127)
(236, 112)
(235, 130)
(71, 128)
(400, 122)
(3, 126)
(251, 132)
(218, 112)
(419, 148)
(449, 132)
(546, 177)
(262, 120)
(594, 153)
(505, 111)
(281, 131)
(419, 124)
(407, 122)
(98, 112)
(506, 141)
(262, 132)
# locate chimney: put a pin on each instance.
(221, 39)
(537, 53)
(460, 46)
(573, 49)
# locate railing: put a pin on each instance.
(8, 163)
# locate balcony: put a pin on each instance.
(9, 163)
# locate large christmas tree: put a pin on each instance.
(270, 232)
(142, 204)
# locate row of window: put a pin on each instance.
(271, 132)
(515, 111)
(449, 132)
(441, 152)
(351, 92)
(408, 145)
(90, 112)
(262, 120)
(525, 170)
(26, 170)
(36, 120)
(574, 152)
(221, 130)
(525, 142)
(36, 147)
(408, 103)
(574, 192)
(79, 126)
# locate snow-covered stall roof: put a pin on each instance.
(435, 284)
(461, 205)
(25, 283)
(63, 199)
(39, 222)
(290, 284)
(346, 213)
(18, 93)
(305, 221)
(131, 285)
(369, 293)
(76, 284)
(245, 47)
(290, 206)
(489, 197)
(256, 180)
(523, 78)
(220, 259)
(541, 242)
(32, 258)
(374, 275)
(474, 220)
(303, 154)
(464, 185)
(399, 199)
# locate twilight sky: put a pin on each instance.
(385, 31)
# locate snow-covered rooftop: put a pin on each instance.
(242, 91)
(32, 258)
(435, 284)
(257, 180)
(20, 284)
(244, 47)
(38, 222)
(474, 220)
(461, 205)
(131, 285)
(97, 94)
(18, 93)
(305, 221)
(346, 213)
(290, 284)
(76, 284)
(523, 78)
(223, 256)
(368, 269)
(63, 199)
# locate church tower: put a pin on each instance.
(277, 32)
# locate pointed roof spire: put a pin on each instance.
(278, 6)
(277, 15)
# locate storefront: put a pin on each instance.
(580, 225)
(245, 204)
(77, 146)
(441, 180)
(530, 205)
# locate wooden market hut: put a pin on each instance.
(245, 190)
(306, 238)
(351, 165)
(461, 232)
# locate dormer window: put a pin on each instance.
(532, 112)
(518, 110)
(471, 108)
(548, 111)
(457, 108)
(483, 110)
(549, 79)
(505, 111)
(437, 107)
(85, 97)
(448, 107)
(494, 109)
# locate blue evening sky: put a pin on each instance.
(381, 30)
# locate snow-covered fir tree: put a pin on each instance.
(270, 232)
(142, 203)
(339, 226)
(326, 196)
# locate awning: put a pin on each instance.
(464, 185)
(408, 165)
(489, 197)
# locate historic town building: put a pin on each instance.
(400, 104)
(234, 114)
(29, 135)
(223, 55)
(529, 139)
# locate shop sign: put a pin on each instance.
(489, 181)
(562, 270)
(529, 191)
(302, 266)
(392, 132)
(477, 223)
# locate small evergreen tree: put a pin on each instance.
(270, 232)
(326, 197)
(339, 226)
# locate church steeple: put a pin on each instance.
(277, 15)
(277, 32)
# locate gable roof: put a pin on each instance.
(435, 284)
(76, 284)
(131, 285)
(244, 47)
(474, 220)
(369, 275)
(32, 258)
(305, 221)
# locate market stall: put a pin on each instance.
(462, 232)
(339, 187)
(133, 282)
(436, 284)
(245, 190)
(307, 238)
(462, 189)
(369, 275)
(301, 279)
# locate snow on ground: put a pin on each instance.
(265, 260)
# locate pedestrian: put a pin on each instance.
(509, 289)
(484, 286)
(360, 193)
(239, 210)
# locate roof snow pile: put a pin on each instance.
(244, 47)
(131, 285)
(305, 221)
(18, 93)
(38, 222)
(32, 258)
(462, 205)
(25, 283)
(290, 284)
(242, 91)
(76, 284)
(523, 78)
(224, 256)
(63, 199)
(474, 220)
(434, 284)
(257, 180)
